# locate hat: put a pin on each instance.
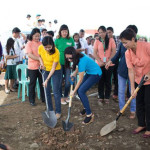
(28, 16)
(38, 15)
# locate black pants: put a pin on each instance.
(105, 83)
(143, 106)
(115, 75)
(33, 75)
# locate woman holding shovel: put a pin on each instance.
(89, 74)
(138, 63)
(49, 59)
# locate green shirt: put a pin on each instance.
(61, 44)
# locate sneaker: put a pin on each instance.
(7, 91)
(89, 119)
(58, 116)
(83, 112)
(63, 102)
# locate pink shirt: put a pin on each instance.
(98, 45)
(140, 61)
(32, 47)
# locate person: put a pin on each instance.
(17, 45)
(43, 34)
(81, 35)
(91, 47)
(123, 78)
(49, 59)
(89, 74)
(10, 56)
(31, 49)
(29, 23)
(110, 32)
(79, 45)
(35, 23)
(104, 50)
(50, 33)
(138, 63)
(61, 44)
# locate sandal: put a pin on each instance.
(100, 101)
(132, 115)
(12, 90)
(83, 112)
(89, 119)
(137, 132)
(106, 101)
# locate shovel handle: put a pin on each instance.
(70, 101)
(136, 90)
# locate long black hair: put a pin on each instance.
(34, 31)
(106, 37)
(79, 44)
(9, 45)
(75, 57)
(47, 40)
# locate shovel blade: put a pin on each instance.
(67, 125)
(49, 118)
(108, 128)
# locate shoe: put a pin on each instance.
(32, 104)
(88, 120)
(63, 102)
(12, 90)
(100, 102)
(58, 116)
(83, 112)
(67, 100)
(106, 101)
(132, 115)
(146, 135)
(7, 91)
(115, 97)
(137, 132)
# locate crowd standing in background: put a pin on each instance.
(98, 58)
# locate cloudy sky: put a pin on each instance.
(77, 14)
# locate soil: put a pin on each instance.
(22, 127)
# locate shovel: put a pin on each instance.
(49, 117)
(111, 126)
(66, 124)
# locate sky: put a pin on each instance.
(79, 14)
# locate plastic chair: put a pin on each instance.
(23, 81)
(37, 89)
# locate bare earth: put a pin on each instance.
(22, 127)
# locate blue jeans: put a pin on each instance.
(56, 90)
(66, 74)
(87, 83)
(121, 93)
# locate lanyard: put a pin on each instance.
(104, 46)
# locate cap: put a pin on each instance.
(38, 15)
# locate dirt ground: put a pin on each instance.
(22, 127)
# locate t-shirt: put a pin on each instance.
(32, 47)
(88, 65)
(10, 61)
(61, 44)
(48, 59)
(140, 61)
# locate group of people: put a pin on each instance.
(94, 60)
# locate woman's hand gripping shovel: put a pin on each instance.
(49, 117)
(111, 126)
(66, 124)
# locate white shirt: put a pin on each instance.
(17, 47)
(10, 61)
(84, 43)
(76, 45)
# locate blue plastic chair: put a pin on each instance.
(23, 81)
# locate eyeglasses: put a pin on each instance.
(69, 58)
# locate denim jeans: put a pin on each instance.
(87, 83)
(56, 90)
(121, 93)
(66, 74)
